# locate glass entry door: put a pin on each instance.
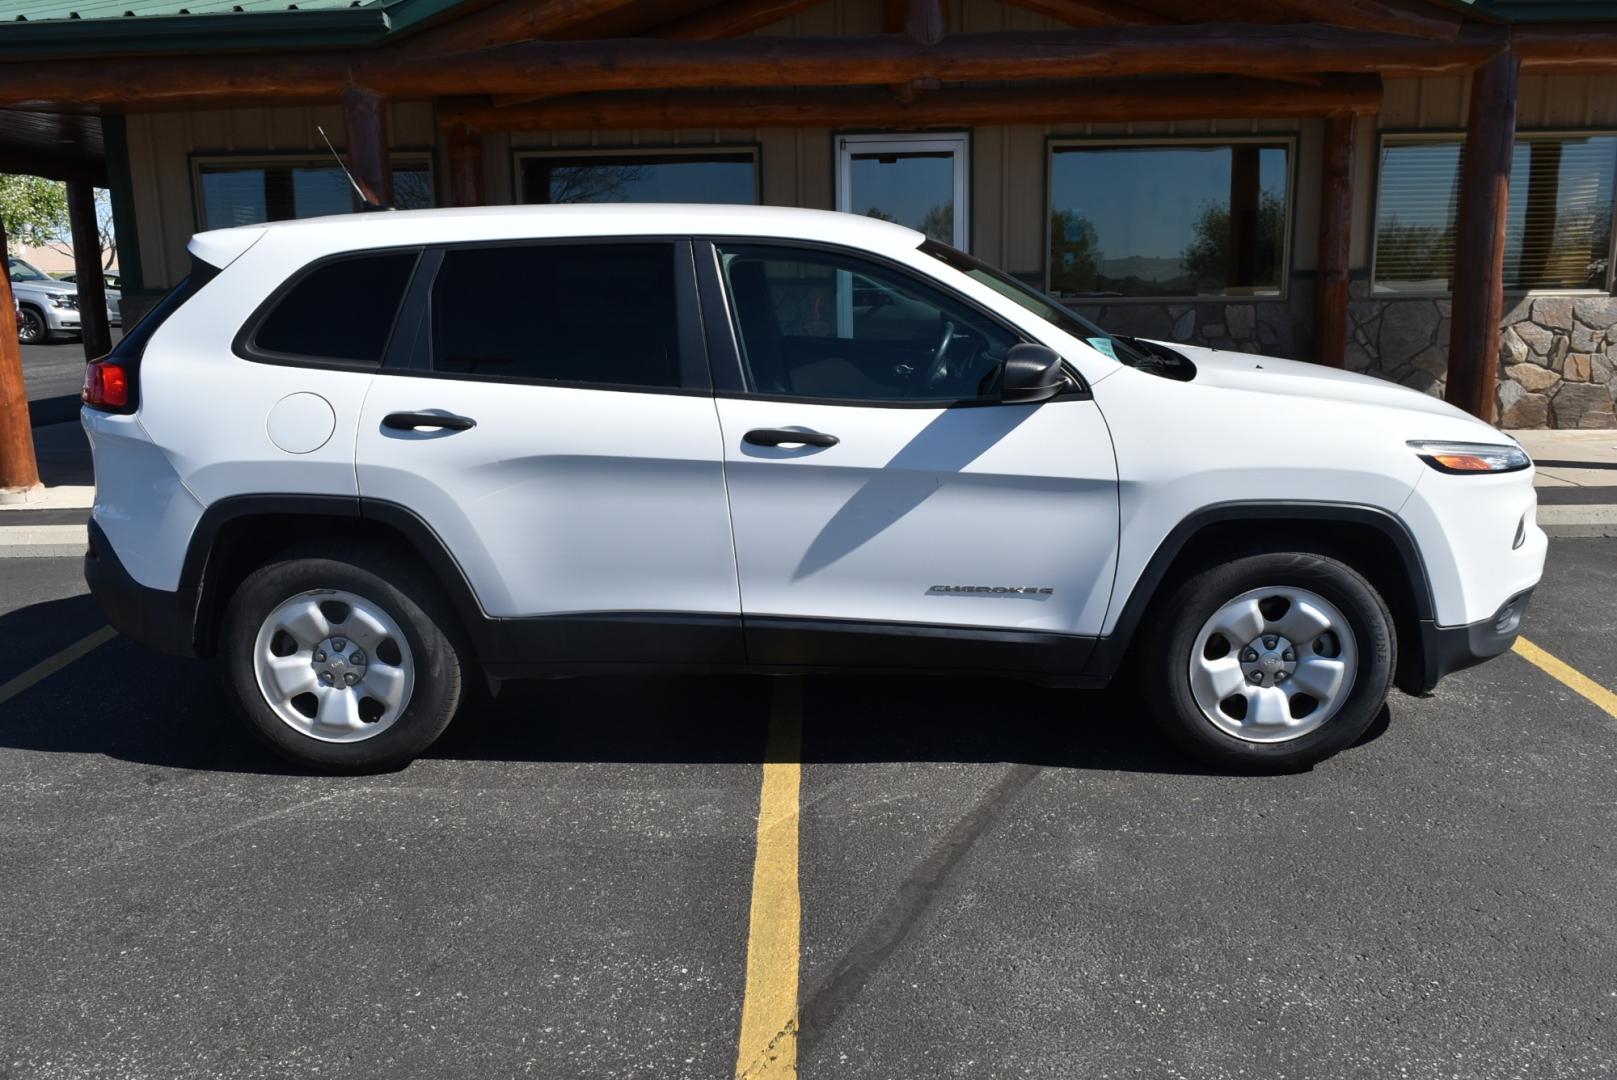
(915, 180)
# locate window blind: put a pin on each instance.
(1557, 226)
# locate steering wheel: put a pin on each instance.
(940, 355)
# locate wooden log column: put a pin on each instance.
(367, 144)
(1335, 237)
(19, 472)
(87, 270)
(465, 166)
(1479, 238)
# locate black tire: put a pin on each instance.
(31, 326)
(1164, 660)
(441, 663)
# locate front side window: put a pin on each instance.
(676, 176)
(600, 314)
(1557, 228)
(1152, 220)
(834, 326)
(342, 310)
(250, 192)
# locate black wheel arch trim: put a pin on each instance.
(195, 584)
(1111, 648)
(498, 640)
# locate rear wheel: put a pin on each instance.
(1272, 661)
(344, 662)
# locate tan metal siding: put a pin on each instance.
(161, 146)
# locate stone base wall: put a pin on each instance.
(1273, 327)
(1557, 354)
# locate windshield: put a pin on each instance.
(1046, 308)
(25, 271)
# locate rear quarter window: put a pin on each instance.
(342, 311)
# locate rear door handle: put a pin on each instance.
(414, 421)
(785, 437)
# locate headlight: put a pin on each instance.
(1458, 457)
(67, 300)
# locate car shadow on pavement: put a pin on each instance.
(846, 719)
(126, 702)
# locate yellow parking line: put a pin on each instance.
(1569, 675)
(52, 664)
(769, 1008)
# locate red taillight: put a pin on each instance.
(106, 385)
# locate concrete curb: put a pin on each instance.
(1570, 520)
(60, 497)
(43, 541)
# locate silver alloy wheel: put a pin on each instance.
(1273, 664)
(333, 666)
(30, 327)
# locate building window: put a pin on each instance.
(724, 175)
(915, 180)
(1164, 220)
(1557, 230)
(249, 191)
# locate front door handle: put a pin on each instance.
(413, 421)
(787, 437)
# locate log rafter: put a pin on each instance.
(1098, 101)
(508, 22)
(1415, 17)
(1093, 12)
(644, 64)
(730, 19)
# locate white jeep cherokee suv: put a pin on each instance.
(369, 461)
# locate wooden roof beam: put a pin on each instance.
(1057, 103)
(725, 20)
(1414, 17)
(731, 19)
(1566, 48)
(1093, 12)
(508, 22)
(643, 64)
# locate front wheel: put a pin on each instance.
(1270, 662)
(31, 329)
(342, 662)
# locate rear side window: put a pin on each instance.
(598, 314)
(341, 310)
(133, 344)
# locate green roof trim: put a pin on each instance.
(41, 10)
(1548, 10)
(34, 28)
(41, 28)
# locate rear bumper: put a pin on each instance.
(1448, 649)
(158, 619)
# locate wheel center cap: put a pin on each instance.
(1268, 660)
(338, 662)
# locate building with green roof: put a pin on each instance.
(1289, 180)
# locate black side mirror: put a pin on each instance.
(1032, 373)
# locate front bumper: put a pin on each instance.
(158, 619)
(61, 318)
(1447, 649)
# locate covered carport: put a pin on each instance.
(70, 147)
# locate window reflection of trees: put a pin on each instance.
(594, 183)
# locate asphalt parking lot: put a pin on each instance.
(994, 880)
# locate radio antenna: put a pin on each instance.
(343, 166)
